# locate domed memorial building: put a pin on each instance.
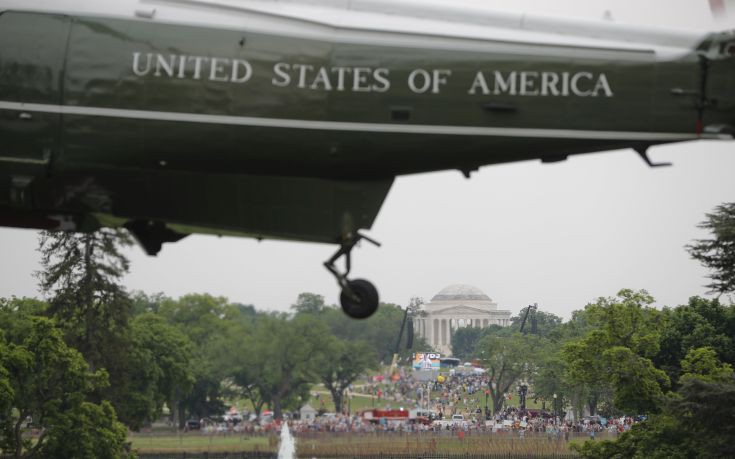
(454, 307)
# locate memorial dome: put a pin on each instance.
(460, 292)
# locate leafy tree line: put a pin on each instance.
(619, 355)
(92, 359)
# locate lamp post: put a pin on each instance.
(522, 390)
(428, 395)
(555, 408)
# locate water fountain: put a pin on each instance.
(287, 450)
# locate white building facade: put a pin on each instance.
(455, 307)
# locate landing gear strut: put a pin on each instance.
(359, 298)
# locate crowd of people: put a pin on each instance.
(458, 394)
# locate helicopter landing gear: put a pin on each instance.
(359, 298)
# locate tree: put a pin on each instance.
(507, 360)
(587, 373)
(718, 253)
(379, 330)
(94, 433)
(550, 383)
(340, 363)
(81, 276)
(283, 355)
(235, 352)
(638, 385)
(168, 363)
(6, 388)
(546, 323)
(699, 323)
(702, 363)
(697, 422)
(143, 303)
(204, 319)
(276, 362)
(622, 329)
(309, 303)
(464, 342)
(48, 384)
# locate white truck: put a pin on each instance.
(457, 421)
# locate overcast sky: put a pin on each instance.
(559, 235)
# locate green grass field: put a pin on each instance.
(328, 444)
(197, 442)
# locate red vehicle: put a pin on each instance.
(375, 415)
(398, 414)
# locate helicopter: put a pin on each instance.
(290, 119)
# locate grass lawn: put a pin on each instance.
(197, 442)
(363, 445)
(374, 445)
(363, 401)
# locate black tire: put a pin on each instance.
(366, 302)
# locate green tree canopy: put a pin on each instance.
(718, 253)
(49, 383)
(309, 303)
(699, 323)
(380, 331)
(339, 363)
(546, 322)
(81, 277)
(621, 329)
(508, 359)
(464, 342)
(283, 355)
(166, 363)
(697, 422)
(638, 385)
(702, 363)
(204, 319)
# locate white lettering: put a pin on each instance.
(136, 62)
(168, 66)
(368, 79)
(321, 78)
(216, 69)
(575, 84)
(480, 83)
(381, 76)
(359, 79)
(508, 86)
(198, 65)
(341, 72)
(182, 66)
(281, 69)
(235, 76)
(549, 82)
(602, 85)
(528, 83)
(302, 73)
(426, 81)
(440, 78)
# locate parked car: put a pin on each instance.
(193, 424)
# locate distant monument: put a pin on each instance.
(455, 307)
